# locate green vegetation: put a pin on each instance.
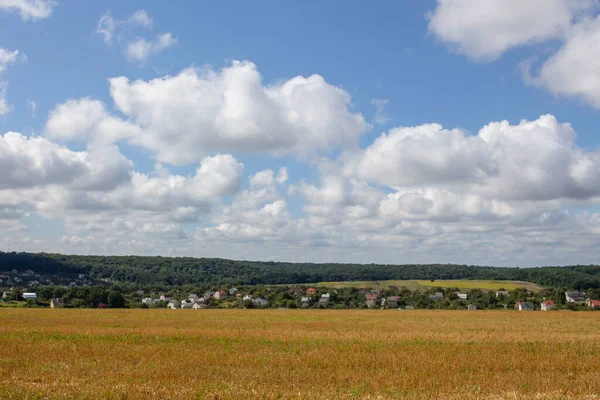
(181, 271)
(422, 284)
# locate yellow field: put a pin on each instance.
(295, 354)
(420, 284)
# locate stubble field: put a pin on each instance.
(296, 354)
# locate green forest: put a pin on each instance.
(177, 271)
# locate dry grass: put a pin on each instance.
(421, 284)
(294, 354)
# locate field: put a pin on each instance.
(295, 354)
(421, 284)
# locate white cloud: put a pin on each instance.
(202, 111)
(86, 119)
(31, 107)
(573, 69)
(106, 28)
(29, 9)
(485, 29)
(5, 108)
(535, 160)
(141, 17)
(37, 162)
(140, 49)
(380, 116)
(7, 57)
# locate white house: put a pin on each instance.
(233, 291)
(193, 297)
(187, 304)
(502, 293)
(461, 296)
(165, 297)
(260, 302)
(575, 297)
(148, 301)
(199, 305)
(471, 307)
(547, 305)
(173, 304)
(247, 297)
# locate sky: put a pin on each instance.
(434, 131)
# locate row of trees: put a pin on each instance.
(175, 271)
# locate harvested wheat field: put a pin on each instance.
(294, 354)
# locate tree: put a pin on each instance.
(116, 300)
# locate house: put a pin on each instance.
(17, 279)
(593, 303)
(33, 283)
(193, 297)
(392, 301)
(28, 272)
(57, 303)
(187, 304)
(5, 296)
(260, 302)
(461, 296)
(437, 296)
(503, 293)
(371, 299)
(324, 298)
(199, 305)
(101, 305)
(311, 291)
(209, 294)
(247, 297)
(575, 297)
(547, 305)
(305, 302)
(220, 295)
(148, 301)
(173, 304)
(165, 297)
(156, 301)
(523, 306)
(29, 296)
(14, 271)
(471, 307)
(233, 291)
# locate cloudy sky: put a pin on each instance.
(448, 131)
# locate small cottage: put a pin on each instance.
(311, 291)
(461, 296)
(593, 303)
(471, 307)
(547, 305)
(220, 295)
(173, 304)
(392, 301)
(524, 306)
(503, 293)
(30, 296)
(575, 297)
(187, 304)
(165, 297)
(260, 302)
(437, 296)
(148, 301)
(193, 297)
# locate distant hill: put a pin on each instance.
(187, 270)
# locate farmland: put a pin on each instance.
(229, 354)
(424, 284)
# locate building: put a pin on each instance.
(199, 305)
(193, 297)
(233, 291)
(187, 304)
(547, 305)
(220, 295)
(305, 301)
(524, 306)
(165, 297)
(471, 307)
(593, 303)
(5, 296)
(57, 303)
(324, 299)
(371, 299)
(575, 297)
(173, 304)
(503, 293)
(30, 296)
(101, 305)
(311, 291)
(437, 296)
(461, 296)
(247, 297)
(260, 302)
(148, 301)
(392, 301)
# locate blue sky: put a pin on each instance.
(234, 163)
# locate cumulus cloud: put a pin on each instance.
(34, 162)
(201, 111)
(140, 49)
(573, 69)
(141, 17)
(87, 119)
(5, 108)
(485, 29)
(8, 57)
(29, 9)
(534, 160)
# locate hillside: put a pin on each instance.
(179, 271)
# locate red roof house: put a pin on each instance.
(311, 291)
(593, 303)
(547, 305)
